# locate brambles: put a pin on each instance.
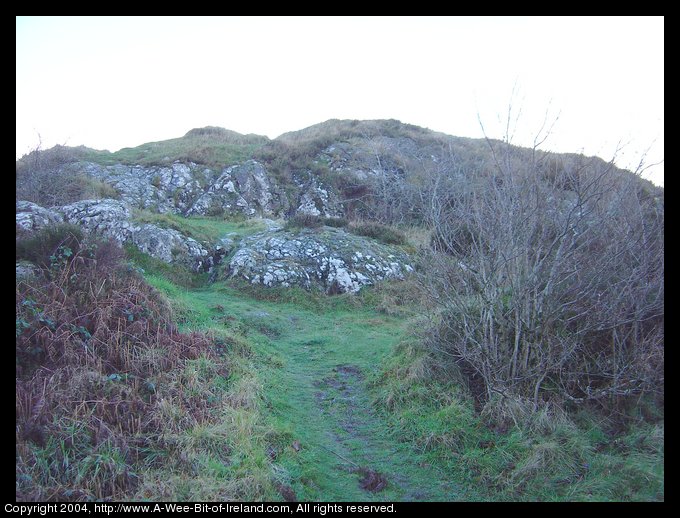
(55, 243)
(108, 391)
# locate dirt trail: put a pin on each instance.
(340, 397)
(354, 455)
(315, 367)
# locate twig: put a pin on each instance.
(340, 456)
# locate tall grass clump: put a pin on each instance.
(380, 232)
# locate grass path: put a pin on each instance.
(315, 368)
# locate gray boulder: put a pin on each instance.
(108, 218)
(329, 258)
(171, 246)
(30, 216)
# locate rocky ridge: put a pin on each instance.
(194, 190)
(327, 258)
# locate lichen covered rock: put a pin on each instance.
(315, 199)
(171, 246)
(107, 218)
(192, 189)
(30, 216)
(245, 188)
(328, 258)
(112, 219)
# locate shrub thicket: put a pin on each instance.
(45, 177)
(548, 293)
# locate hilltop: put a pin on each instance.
(360, 163)
(359, 310)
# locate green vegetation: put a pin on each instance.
(313, 358)
(213, 147)
(267, 393)
(379, 232)
(408, 420)
(540, 456)
(202, 229)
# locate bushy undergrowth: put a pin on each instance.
(49, 245)
(300, 221)
(114, 403)
(510, 451)
(380, 232)
(43, 177)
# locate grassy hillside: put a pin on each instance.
(277, 394)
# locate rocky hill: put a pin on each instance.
(521, 357)
(362, 170)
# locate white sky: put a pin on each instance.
(111, 82)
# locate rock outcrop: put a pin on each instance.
(191, 189)
(194, 190)
(113, 219)
(107, 218)
(30, 216)
(244, 188)
(330, 258)
(171, 246)
(315, 199)
(327, 258)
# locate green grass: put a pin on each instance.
(333, 385)
(170, 274)
(551, 457)
(214, 147)
(202, 229)
(297, 348)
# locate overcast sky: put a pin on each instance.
(110, 82)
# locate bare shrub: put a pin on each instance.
(44, 177)
(550, 286)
